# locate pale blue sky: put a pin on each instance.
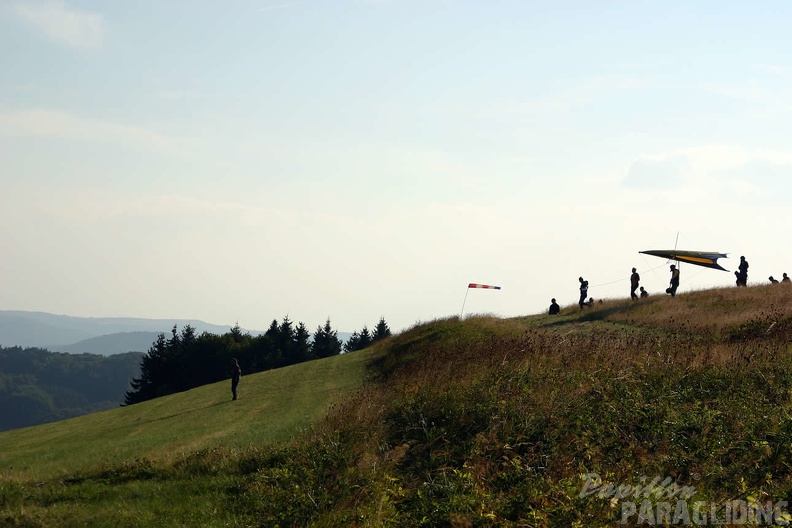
(238, 161)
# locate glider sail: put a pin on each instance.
(708, 259)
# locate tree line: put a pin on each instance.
(186, 360)
(38, 386)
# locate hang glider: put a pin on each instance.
(708, 259)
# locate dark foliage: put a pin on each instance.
(365, 338)
(38, 386)
(186, 360)
(325, 342)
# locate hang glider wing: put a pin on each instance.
(708, 259)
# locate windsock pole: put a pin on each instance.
(475, 285)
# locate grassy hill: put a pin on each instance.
(480, 422)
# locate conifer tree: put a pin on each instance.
(381, 331)
(145, 387)
(301, 347)
(325, 342)
(365, 338)
(353, 343)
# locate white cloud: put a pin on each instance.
(709, 170)
(67, 26)
(50, 123)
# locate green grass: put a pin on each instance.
(475, 422)
(272, 407)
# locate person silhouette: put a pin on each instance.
(634, 280)
(644, 293)
(743, 275)
(554, 308)
(583, 291)
(772, 280)
(674, 284)
(785, 278)
(236, 374)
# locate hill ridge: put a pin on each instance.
(481, 421)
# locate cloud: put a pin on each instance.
(67, 26)
(57, 124)
(654, 174)
(277, 6)
(709, 170)
(761, 178)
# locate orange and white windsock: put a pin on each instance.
(485, 286)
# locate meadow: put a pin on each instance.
(483, 421)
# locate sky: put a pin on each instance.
(242, 161)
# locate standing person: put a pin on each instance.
(583, 292)
(634, 280)
(554, 308)
(743, 276)
(236, 373)
(674, 281)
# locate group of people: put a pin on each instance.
(637, 291)
(784, 279)
(635, 279)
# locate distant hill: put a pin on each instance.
(110, 344)
(97, 335)
(46, 330)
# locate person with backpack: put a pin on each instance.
(583, 291)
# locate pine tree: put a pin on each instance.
(358, 340)
(145, 387)
(365, 338)
(325, 342)
(353, 343)
(381, 331)
(301, 348)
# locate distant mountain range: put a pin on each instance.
(93, 335)
(96, 335)
(108, 344)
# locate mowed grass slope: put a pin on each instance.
(475, 422)
(272, 407)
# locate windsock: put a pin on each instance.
(486, 286)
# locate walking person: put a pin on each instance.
(634, 280)
(236, 374)
(672, 288)
(583, 292)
